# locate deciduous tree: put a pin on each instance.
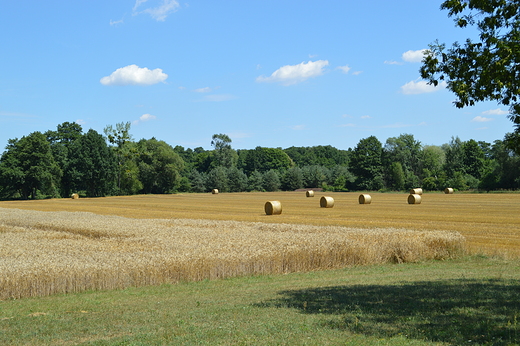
(487, 68)
(366, 164)
(28, 167)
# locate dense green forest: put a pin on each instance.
(68, 160)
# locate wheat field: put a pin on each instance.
(489, 222)
(77, 245)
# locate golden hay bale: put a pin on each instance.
(273, 208)
(214, 191)
(414, 199)
(326, 202)
(309, 193)
(417, 191)
(365, 199)
(448, 190)
(74, 196)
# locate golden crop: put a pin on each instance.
(47, 252)
(489, 222)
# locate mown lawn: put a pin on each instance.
(468, 301)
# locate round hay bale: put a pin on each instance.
(414, 199)
(326, 202)
(214, 191)
(309, 193)
(74, 196)
(417, 191)
(273, 208)
(365, 199)
(448, 190)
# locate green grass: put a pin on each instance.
(470, 301)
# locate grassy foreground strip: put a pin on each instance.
(44, 253)
(467, 301)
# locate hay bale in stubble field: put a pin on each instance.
(74, 196)
(448, 190)
(414, 199)
(416, 191)
(273, 208)
(214, 191)
(365, 199)
(326, 202)
(309, 193)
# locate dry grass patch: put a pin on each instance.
(43, 253)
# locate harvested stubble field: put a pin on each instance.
(489, 222)
(66, 245)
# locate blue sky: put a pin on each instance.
(267, 73)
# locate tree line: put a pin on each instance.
(67, 160)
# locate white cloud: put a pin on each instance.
(146, 117)
(420, 87)
(81, 122)
(292, 74)
(116, 22)
(134, 75)
(297, 127)
(366, 117)
(159, 12)
(138, 3)
(203, 90)
(392, 62)
(143, 118)
(414, 55)
(345, 68)
(357, 73)
(480, 119)
(497, 111)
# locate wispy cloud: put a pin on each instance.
(158, 12)
(392, 62)
(143, 118)
(497, 111)
(81, 122)
(414, 55)
(203, 90)
(116, 22)
(297, 127)
(366, 117)
(420, 87)
(480, 119)
(134, 75)
(345, 68)
(293, 74)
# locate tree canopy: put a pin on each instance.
(58, 163)
(486, 69)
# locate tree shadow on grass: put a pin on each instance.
(458, 312)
